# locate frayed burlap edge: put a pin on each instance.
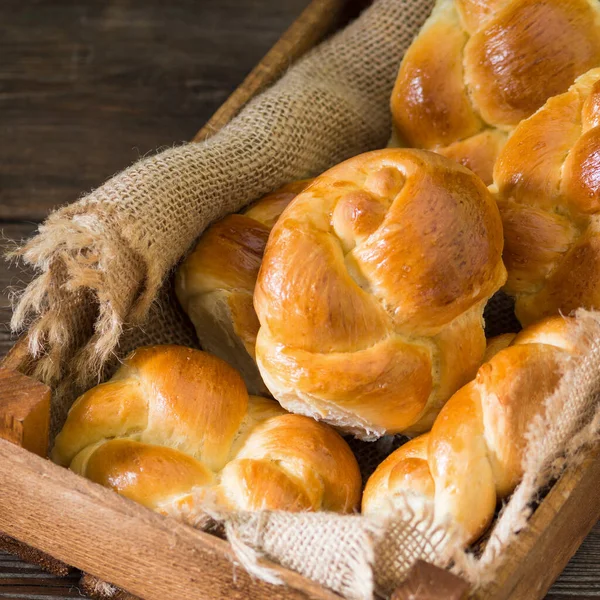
(364, 556)
(569, 423)
(101, 261)
(99, 273)
(353, 555)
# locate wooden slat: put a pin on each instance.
(580, 579)
(20, 551)
(79, 522)
(89, 87)
(24, 411)
(13, 278)
(553, 534)
(214, 555)
(31, 592)
(581, 576)
(319, 19)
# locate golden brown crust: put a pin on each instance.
(474, 13)
(495, 344)
(371, 279)
(478, 152)
(404, 469)
(478, 67)
(550, 202)
(148, 474)
(531, 50)
(430, 104)
(269, 208)
(174, 420)
(474, 452)
(215, 283)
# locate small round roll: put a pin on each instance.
(371, 291)
(547, 183)
(473, 455)
(175, 424)
(478, 67)
(215, 283)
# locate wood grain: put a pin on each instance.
(19, 580)
(82, 521)
(13, 277)
(94, 129)
(88, 87)
(552, 535)
(581, 576)
(31, 556)
(319, 19)
(24, 411)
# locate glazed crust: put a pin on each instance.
(371, 291)
(176, 424)
(478, 67)
(472, 457)
(550, 204)
(215, 283)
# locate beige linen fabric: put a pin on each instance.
(102, 288)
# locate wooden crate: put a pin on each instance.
(49, 509)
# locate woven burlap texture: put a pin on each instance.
(102, 287)
(358, 556)
(103, 259)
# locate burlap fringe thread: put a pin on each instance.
(102, 260)
(358, 556)
(102, 289)
(350, 554)
(570, 422)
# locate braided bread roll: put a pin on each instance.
(474, 452)
(550, 203)
(371, 291)
(215, 283)
(173, 420)
(478, 67)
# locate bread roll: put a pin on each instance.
(173, 419)
(371, 291)
(547, 182)
(473, 455)
(215, 283)
(478, 67)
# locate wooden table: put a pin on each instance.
(85, 89)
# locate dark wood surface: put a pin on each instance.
(85, 89)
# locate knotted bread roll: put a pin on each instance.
(478, 67)
(371, 291)
(474, 452)
(173, 420)
(547, 182)
(215, 283)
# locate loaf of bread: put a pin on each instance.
(371, 291)
(547, 181)
(478, 67)
(215, 283)
(472, 457)
(175, 423)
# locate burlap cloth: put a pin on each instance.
(102, 287)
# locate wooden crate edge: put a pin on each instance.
(315, 22)
(307, 30)
(157, 557)
(552, 535)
